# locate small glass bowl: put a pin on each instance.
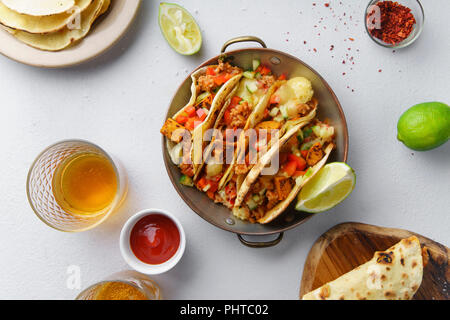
(416, 10)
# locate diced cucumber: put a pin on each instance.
(273, 113)
(249, 74)
(256, 63)
(279, 118)
(202, 97)
(252, 205)
(251, 87)
(284, 112)
(256, 198)
(186, 181)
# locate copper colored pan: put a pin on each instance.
(329, 107)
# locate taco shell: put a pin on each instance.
(40, 24)
(39, 8)
(63, 38)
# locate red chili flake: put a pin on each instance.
(315, 50)
(304, 42)
(327, 5)
(331, 47)
(343, 61)
(379, 70)
(343, 73)
(314, 4)
(396, 22)
(351, 39)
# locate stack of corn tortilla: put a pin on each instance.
(50, 25)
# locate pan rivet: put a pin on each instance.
(229, 221)
(275, 60)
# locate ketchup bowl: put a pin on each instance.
(152, 241)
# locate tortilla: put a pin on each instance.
(394, 274)
(39, 8)
(62, 39)
(40, 24)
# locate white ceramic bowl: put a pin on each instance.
(133, 261)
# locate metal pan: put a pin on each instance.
(329, 107)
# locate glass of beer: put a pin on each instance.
(125, 285)
(75, 185)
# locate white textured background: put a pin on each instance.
(119, 100)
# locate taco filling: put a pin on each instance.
(297, 156)
(249, 97)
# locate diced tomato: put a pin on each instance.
(227, 116)
(201, 114)
(235, 101)
(190, 110)
(214, 186)
(299, 173)
(301, 163)
(282, 77)
(210, 194)
(222, 78)
(210, 71)
(304, 153)
(274, 99)
(264, 70)
(190, 124)
(290, 168)
(283, 157)
(181, 119)
(202, 183)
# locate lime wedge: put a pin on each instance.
(329, 187)
(179, 28)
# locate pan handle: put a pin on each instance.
(252, 244)
(242, 39)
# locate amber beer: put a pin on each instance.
(85, 184)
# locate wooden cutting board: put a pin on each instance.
(348, 245)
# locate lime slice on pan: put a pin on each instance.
(330, 186)
(179, 28)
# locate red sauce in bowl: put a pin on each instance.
(155, 239)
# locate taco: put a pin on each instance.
(262, 198)
(210, 88)
(394, 274)
(291, 104)
(244, 108)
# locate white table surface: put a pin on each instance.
(119, 100)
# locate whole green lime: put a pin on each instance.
(424, 126)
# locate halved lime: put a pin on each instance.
(329, 187)
(179, 28)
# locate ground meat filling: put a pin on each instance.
(267, 81)
(272, 191)
(239, 115)
(207, 83)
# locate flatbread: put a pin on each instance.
(62, 39)
(394, 274)
(39, 7)
(36, 24)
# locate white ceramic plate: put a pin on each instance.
(106, 32)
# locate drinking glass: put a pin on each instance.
(139, 281)
(40, 187)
